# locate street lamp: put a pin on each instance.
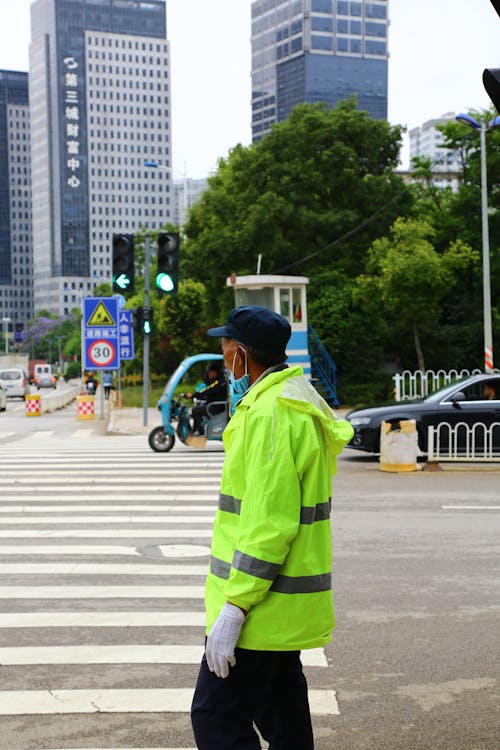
(5, 324)
(483, 126)
(155, 165)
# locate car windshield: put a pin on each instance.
(10, 375)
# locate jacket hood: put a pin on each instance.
(299, 394)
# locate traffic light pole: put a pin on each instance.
(488, 333)
(145, 371)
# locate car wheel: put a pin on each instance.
(160, 441)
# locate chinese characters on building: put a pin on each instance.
(72, 122)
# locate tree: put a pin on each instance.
(184, 318)
(320, 176)
(410, 278)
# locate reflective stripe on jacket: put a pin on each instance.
(271, 549)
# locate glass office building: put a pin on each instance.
(317, 51)
(100, 107)
(16, 261)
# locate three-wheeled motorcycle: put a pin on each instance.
(161, 439)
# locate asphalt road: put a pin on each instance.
(415, 657)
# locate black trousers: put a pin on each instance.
(265, 687)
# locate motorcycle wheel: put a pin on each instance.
(160, 441)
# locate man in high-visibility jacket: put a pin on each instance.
(268, 591)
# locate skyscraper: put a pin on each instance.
(317, 50)
(100, 106)
(16, 262)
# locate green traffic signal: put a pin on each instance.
(123, 273)
(167, 262)
(147, 320)
(164, 282)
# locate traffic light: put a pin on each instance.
(123, 263)
(147, 320)
(491, 76)
(167, 269)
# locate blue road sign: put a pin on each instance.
(101, 346)
(126, 334)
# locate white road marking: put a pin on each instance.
(28, 510)
(97, 619)
(112, 533)
(88, 486)
(471, 507)
(41, 434)
(83, 433)
(34, 496)
(6, 434)
(77, 568)
(167, 550)
(109, 471)
(66, 549)
(121, 654)
(183, 550)
(99, 520)
(101, 592)
(161, 700)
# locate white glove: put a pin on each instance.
(223, 638)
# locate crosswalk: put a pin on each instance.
(103, 554)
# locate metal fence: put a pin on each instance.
(419, 384)
(464, 442)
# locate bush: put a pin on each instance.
(357, 395)
(73, 370)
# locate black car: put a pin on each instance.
(471, 400)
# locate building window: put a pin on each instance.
(320, 23)
(321, 6)
(375, 48)
(375, 11)
(321, 42)
(375, 29)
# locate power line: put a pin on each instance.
(345, 236)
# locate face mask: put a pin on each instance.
(238, 386)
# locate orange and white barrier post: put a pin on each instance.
(85, 407)
(33, 405)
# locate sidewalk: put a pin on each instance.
(131, 421)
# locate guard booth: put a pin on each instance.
(285, 295)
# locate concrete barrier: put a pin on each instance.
(59, 399)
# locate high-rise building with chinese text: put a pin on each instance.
(317, 51)
(16, 258)
(100, 107)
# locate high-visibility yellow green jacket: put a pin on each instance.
(271, 550)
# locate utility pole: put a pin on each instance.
(145, 372)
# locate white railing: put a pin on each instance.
(419, 384)
(464, 442)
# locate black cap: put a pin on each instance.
(257, 327)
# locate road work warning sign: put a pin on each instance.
(101, 316)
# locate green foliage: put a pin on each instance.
(184, 318)
(410, 279)
(352, 331)
(291, 197)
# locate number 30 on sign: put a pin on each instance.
(102, 353)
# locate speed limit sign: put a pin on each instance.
(102, 353)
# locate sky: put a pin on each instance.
(438, 50)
